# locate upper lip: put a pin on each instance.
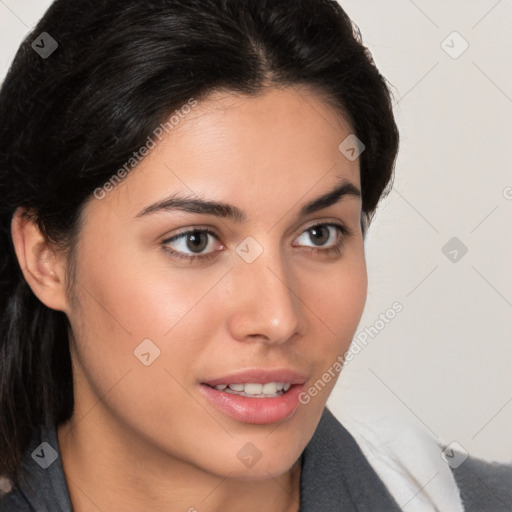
(259, 375)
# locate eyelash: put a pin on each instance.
(343, 232)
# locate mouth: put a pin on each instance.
(255, 389)
(256, 396)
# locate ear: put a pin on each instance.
(44, 269)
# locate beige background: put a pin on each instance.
(445, 360)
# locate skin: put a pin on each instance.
(144, 437)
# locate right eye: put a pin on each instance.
(192, 244)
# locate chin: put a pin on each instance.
(261, 470)
(248, 463)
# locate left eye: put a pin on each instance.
(321, 235)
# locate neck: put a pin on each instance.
(110, 467)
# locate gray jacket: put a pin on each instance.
(335, 477)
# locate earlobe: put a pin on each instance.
(42, 267)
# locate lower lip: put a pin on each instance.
(255, 410)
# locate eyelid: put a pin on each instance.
(328, 221)
(190, 229)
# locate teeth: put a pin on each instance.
(255, 389)
(269, 387)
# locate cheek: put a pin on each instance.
(137, 337)
(336, 300)
(134, 310)
(336, 304)
(134, 296)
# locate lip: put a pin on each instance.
(260, 375)
(258, 411)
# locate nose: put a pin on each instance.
(264, 305)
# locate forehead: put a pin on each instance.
(273, 147)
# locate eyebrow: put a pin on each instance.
(228, 211)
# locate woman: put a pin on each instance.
(186, 190)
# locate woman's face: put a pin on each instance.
(173, 301)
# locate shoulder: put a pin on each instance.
(411, 463)
(484, 486)
(42, 485)
(336, 474)
(14, 502)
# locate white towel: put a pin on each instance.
(408, 461)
